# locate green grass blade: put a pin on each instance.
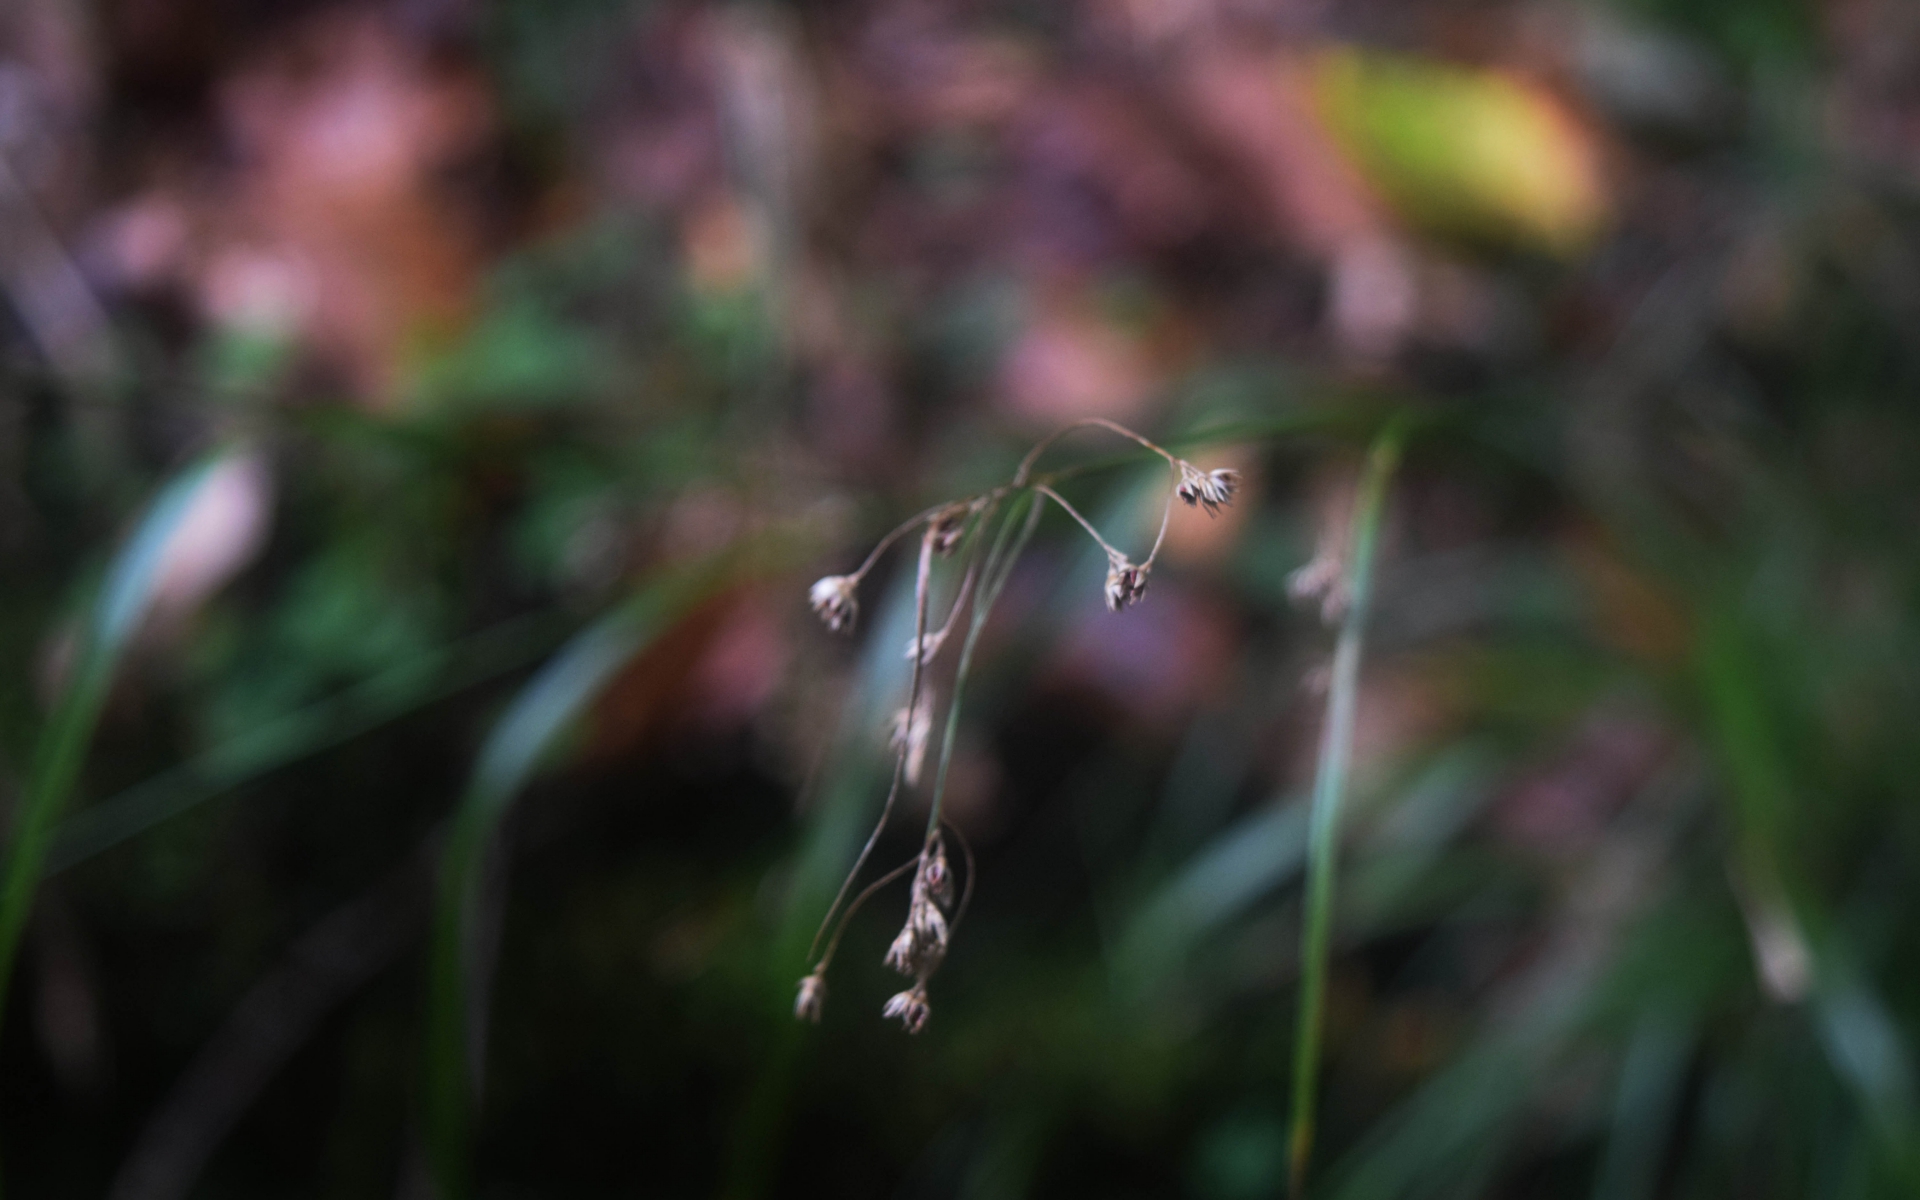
(1023, 513)
(1649, 1093)
(1329, 791)
(515, 750)
(109, 625)
(388, 696)
(1248, 859)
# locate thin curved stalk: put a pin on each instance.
(1033, 455)
(1329, 793)
(1085, 524)
(920, 593)
(866, 893)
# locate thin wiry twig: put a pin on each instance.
(1033, 455)
(966, 892)
(833, 943)
(900, 760)
(894, 535)
(1085, 524)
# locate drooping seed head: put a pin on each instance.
(946, 527)
(913, 739)
(936, 878)
(835, 598)
(911, 1007)
(812, 999)
(1225, 482)
(1209, 489)
(1126, 581)
(1321, 580)
(921, 944)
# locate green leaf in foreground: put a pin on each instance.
(132, 582)
(1329, 792)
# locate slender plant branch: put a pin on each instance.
(966, 892)
(1085, 524)
(894, 535)
(1166, 514)
(920, 588)
(866, 893)
(988, 505)
(1329, 792)
(1033, 455)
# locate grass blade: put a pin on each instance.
(1329, 791)
(518, 745)
(283, 740)
(1023, 513)
(124, 598)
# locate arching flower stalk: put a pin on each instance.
(932, 914)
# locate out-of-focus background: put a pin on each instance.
(457, 325)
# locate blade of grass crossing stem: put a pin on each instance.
(109, 625)
(1329, 790)
(1024, 511)
(518, 745)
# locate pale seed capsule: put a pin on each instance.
(834, 598)
(911, 1007)
(812, 998)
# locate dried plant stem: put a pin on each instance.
(1159, 539)
(959, 601)
(1040, 447)
(1329, 790)
(966, 892)
(920, 590)
(895, 534)
(1085, 524)
(866, 893)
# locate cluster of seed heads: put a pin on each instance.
(923, 940)
(1211, 490)
(932, 913)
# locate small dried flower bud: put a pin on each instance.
(902, 954)
(922, 942)
(1126, 581)
(834, 598)
(929, 926)
(936, 878)
(928, 644)
(911, 1007)
(1209, 489)
(812, 998)
(1225, 481)
(946, 528)
(914, 740)
(1323, 580)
